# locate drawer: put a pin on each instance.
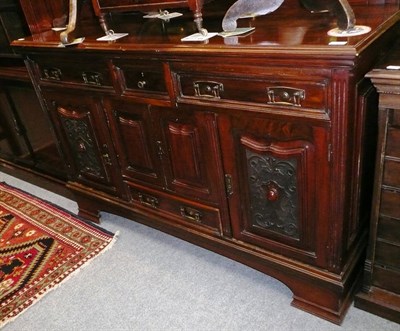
(138, 77)
(391, 173)
(202, 217)
(395, 118)
(387, 254)
(275, 91)
(386, 278)
(389, 229)
(390, 202)
(393, 142)
(87, 72)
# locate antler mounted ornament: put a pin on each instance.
(340, 8)
(248, 8)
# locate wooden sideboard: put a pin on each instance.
(258, 147)
(381, 287)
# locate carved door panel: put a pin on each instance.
(139, 151)
(190, 154)
(80, 124)
(276, 184)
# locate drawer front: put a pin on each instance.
(395, 120)
(92, 73)
(201, 217)
(393, 142)
(390, 202)
(274, 92)
(387, 279)
(389, 229)
(387, 254)
(140, 77)
(391, 174)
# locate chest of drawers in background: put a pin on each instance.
(381, 287)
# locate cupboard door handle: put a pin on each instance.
(228, 185)
(208, 89)
(106, 156)
(107, 159)
(191, 214)
(272, 192)
(160, 150)
(148, 200)
(282, 95)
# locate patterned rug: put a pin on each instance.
(40, 246)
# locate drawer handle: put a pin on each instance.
(52, 73)
(282, 95)
(191, 214)
(208, 89)
(148, 200)
(92, 78)
(141, 84)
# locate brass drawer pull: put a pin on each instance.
(191, 214)
(282, 95)
(141, 84)
(208, 89)
(52, 73)
(148, 200)
(92, 78)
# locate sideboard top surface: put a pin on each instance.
(291, 29)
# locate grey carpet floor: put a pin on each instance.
(152, 281)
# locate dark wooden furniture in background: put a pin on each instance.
(104, 7)
(26, 140)
(381, 287)
(257, 147)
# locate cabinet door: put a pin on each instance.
(279, 171)
(190, 153)
(138, 148)
(80, 124)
